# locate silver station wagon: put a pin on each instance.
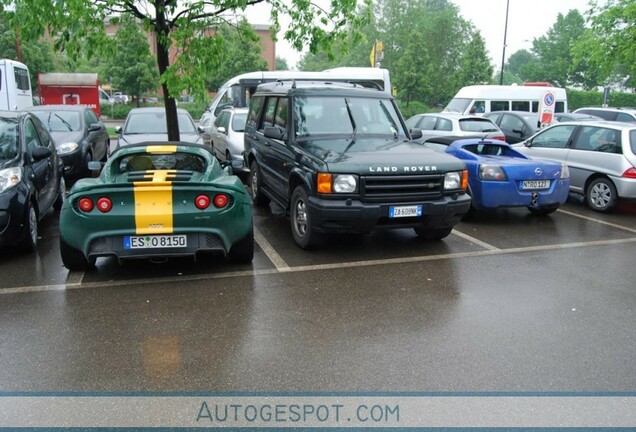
(601, 156)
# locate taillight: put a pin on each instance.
(500, 138)
(202, 202)
(104, 205)
(630, 173)
(86, 204)
(220, 200)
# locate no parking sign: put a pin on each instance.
(547, 109)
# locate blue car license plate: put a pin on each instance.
(155, 241)
(535, 184)
(405, 211)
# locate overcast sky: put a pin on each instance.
(527, 19)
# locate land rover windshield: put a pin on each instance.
(325, 117)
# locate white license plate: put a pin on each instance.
(405, 211)
(536, 184)
(155, 241)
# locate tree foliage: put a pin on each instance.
(185, 27)
(132, 77)
(239, 51)
(610, 44)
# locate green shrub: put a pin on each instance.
(583, 98)
(413, 108)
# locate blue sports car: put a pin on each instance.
(500, 176)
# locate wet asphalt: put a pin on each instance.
(508, 302)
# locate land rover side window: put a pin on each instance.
(281, 113)
(270, 112)
(255, 109)
(555, 137)
(520, 105)
(598, 139)
(499, 106)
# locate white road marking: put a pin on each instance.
(271, 253)
(613, 225)
(318, 267)
(478, 242)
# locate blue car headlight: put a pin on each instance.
(67, 148)
(10, 177)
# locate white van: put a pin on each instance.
(236, 91)
(479, 99)
(15, 86)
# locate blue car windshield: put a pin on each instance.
(8, 139)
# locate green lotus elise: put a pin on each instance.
(155, 201)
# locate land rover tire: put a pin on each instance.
(302, 227)
(255, 181)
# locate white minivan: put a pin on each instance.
(15, 86)
(478, 99)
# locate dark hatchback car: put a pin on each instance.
(31, 178)
(516, 125)
(79, 136)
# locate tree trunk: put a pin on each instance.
(163, 61)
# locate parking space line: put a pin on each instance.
(270, 252)
(613, 225)
(478, 242)
(74, 278)
(317, 267)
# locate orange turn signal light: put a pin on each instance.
(465, 179)
(324, 183)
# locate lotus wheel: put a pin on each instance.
(242, 252)
(601, 195)
(74, 259)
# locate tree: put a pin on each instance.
(610, 44)
(186, 26)
(38, 57)
(554, 51)
(281, 63)
(519, 60)
(239, 52)
(133, 77)
(475, 66)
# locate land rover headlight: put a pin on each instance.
(10, 177)
(67, 148)
(455, 180)
(337, 183)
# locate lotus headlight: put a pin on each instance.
(10, 177)
(67, 148)
(344, 183)
(452, 180)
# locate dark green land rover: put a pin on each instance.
(339, 158)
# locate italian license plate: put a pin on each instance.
(405, 211)
(155, 241)
(536, 184)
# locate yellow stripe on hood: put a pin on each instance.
(161, 149)
(153, 204)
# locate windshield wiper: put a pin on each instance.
(67, 124)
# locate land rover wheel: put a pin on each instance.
(74, 259)
(433, 234)
(258, 197)
(300, 219)
(601, 195)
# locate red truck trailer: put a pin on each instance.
(69, 89)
